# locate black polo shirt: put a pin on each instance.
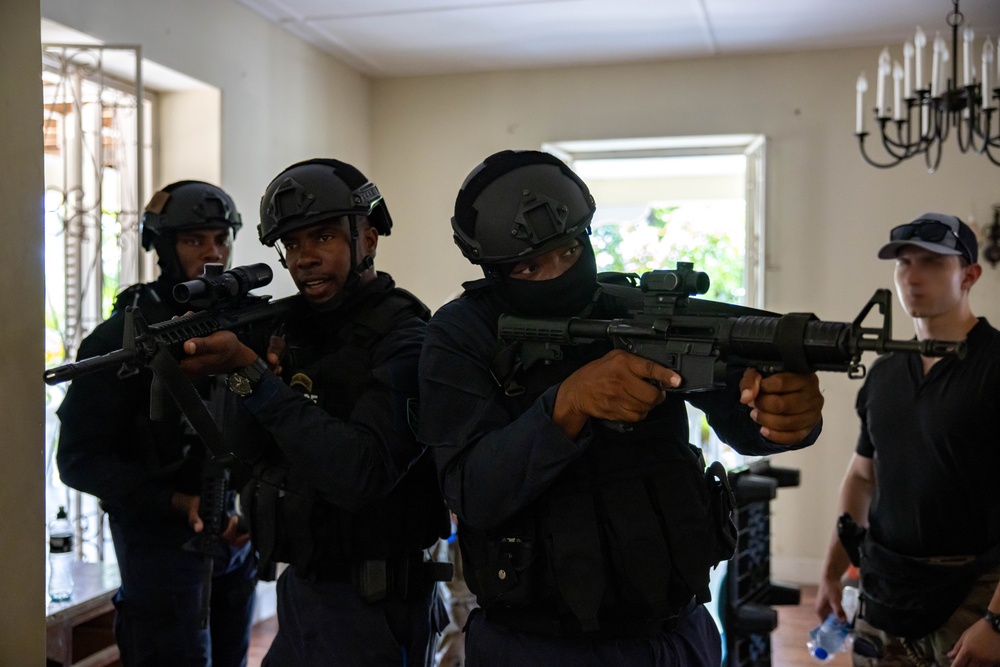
(935, 440)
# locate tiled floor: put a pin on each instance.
(788, 641)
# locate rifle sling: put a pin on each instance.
(790, 337)
(167, 369)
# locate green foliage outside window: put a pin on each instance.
(111, 253)
(711, 235)
(706, 235)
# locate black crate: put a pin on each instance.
(748, 594)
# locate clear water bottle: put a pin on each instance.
(850, 601)
(60, 557)
(829, 638)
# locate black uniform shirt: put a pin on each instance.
(935, 440)
(355, 461)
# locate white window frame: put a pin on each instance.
(751, 146)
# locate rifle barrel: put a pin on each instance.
(928, 348)
(66, 372)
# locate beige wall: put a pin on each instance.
(22, 554)
(827, 210)
(189, 137)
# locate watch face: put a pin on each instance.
(239, 384)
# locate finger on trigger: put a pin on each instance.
(663, 375)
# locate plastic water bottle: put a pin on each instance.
(828, 639)
(849, 601)
(61, 557)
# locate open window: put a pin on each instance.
(115, 126)
(669, 199)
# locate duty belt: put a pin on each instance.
(375, 580)
(548, 623)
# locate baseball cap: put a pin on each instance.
(937, 232)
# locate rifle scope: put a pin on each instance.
(683, 280)
(216, 285)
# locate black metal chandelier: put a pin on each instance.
(925, 110)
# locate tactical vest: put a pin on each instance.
(622, 544)
(331, 364)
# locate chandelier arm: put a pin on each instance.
(900, 151)
(864, 154)
(987, 122)
(901, 141)
(942, 124)
(966, 135)
(923, 111)
(989, 154)
(990, 143)
(934, 148)
(980, 132)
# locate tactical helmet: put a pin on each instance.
(186, 205)
(317, 190)
(519, 204)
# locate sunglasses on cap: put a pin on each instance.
(931, 231)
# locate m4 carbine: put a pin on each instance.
(701, 339)
(226, 304)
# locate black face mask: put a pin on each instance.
(563, 296)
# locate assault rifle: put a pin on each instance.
(212, 512)
(227, 304)
(700, 339)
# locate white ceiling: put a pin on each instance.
(385, 38)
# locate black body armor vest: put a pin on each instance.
(329, 360)
(622, 544)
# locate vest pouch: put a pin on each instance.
(280, 517)
(721, 505)
(639, 554)
(570, 527)
(506, 577)
(690, 519)
(370, 579)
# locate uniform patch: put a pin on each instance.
(303, 384)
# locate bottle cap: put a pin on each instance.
(820, 653)
(61, 514)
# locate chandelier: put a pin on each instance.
(925, 109)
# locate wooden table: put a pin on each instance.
(80, 631)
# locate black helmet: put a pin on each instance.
(186, 205)
(317, 190)
(519, 204)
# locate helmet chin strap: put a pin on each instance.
(359, 267)
(353, 282)
(166, 257)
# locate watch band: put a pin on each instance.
(993, 620)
